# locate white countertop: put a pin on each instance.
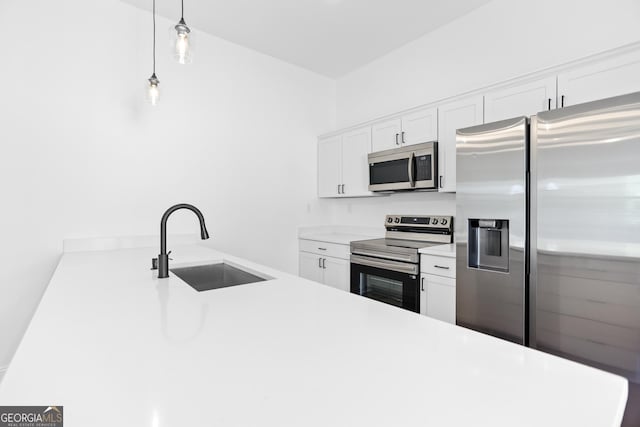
(342, 235)
(448, 250)
(117, 346)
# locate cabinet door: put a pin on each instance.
(309, 266)
(451, 117)
(423, 294)
(337, 273)
(356, 145)
(525, 99)
(386, 135)
(612, 77)
(329, 166)
(421, 126)
(441, 298)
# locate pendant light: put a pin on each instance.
(182, 40)
(153, 93)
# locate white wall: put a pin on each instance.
(370, 211)
(84, 155)
(501, 40)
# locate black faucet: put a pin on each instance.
(163, 258)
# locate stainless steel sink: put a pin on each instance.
(215, 276)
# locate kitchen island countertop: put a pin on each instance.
(116, 346)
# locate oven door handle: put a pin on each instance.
(410, 167)
(396, 257)
(399, 267)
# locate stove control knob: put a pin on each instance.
(389, 220)
(434, 221)
(397, 220)
(443, 221)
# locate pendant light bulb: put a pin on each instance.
(182, 43)
(182, 40)
(153, 91)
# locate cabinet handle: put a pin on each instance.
(322, 249)
(422, 284)
(342, 188)
(323, 260)
(549, 104)
(562, 101)
(397, 139)
(402, 138)
(338, 188)
(441, 181)
(442, 267)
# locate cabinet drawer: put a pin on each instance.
(438, 265)
(325, 248)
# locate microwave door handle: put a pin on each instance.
(410, 167)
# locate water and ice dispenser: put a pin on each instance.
(489, 244)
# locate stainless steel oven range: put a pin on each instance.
(388, 269)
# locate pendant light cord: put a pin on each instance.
(182, 10)
(154, 37)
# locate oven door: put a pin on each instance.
(393, 282)
(407, 168)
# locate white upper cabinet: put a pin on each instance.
(524, 99)
(386, 135)
(329, 166)
(611, 77)
(412, 128)
(420, 126)
(343, 167)
(356, 145)
(451, 117)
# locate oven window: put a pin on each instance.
(381, 289)
(388, 172)
(423, 168)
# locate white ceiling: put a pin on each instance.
(330, 37)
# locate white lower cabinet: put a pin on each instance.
(326, 263)
(438, 291)
(310, 266)
(439, 297)
(336, 273)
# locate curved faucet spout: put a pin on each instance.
(163, 258)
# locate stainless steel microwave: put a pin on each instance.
(413, 167)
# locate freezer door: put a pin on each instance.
(585, 282)
(490, 229)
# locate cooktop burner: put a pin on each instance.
(405, 235)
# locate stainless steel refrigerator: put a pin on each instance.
(548, 234)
